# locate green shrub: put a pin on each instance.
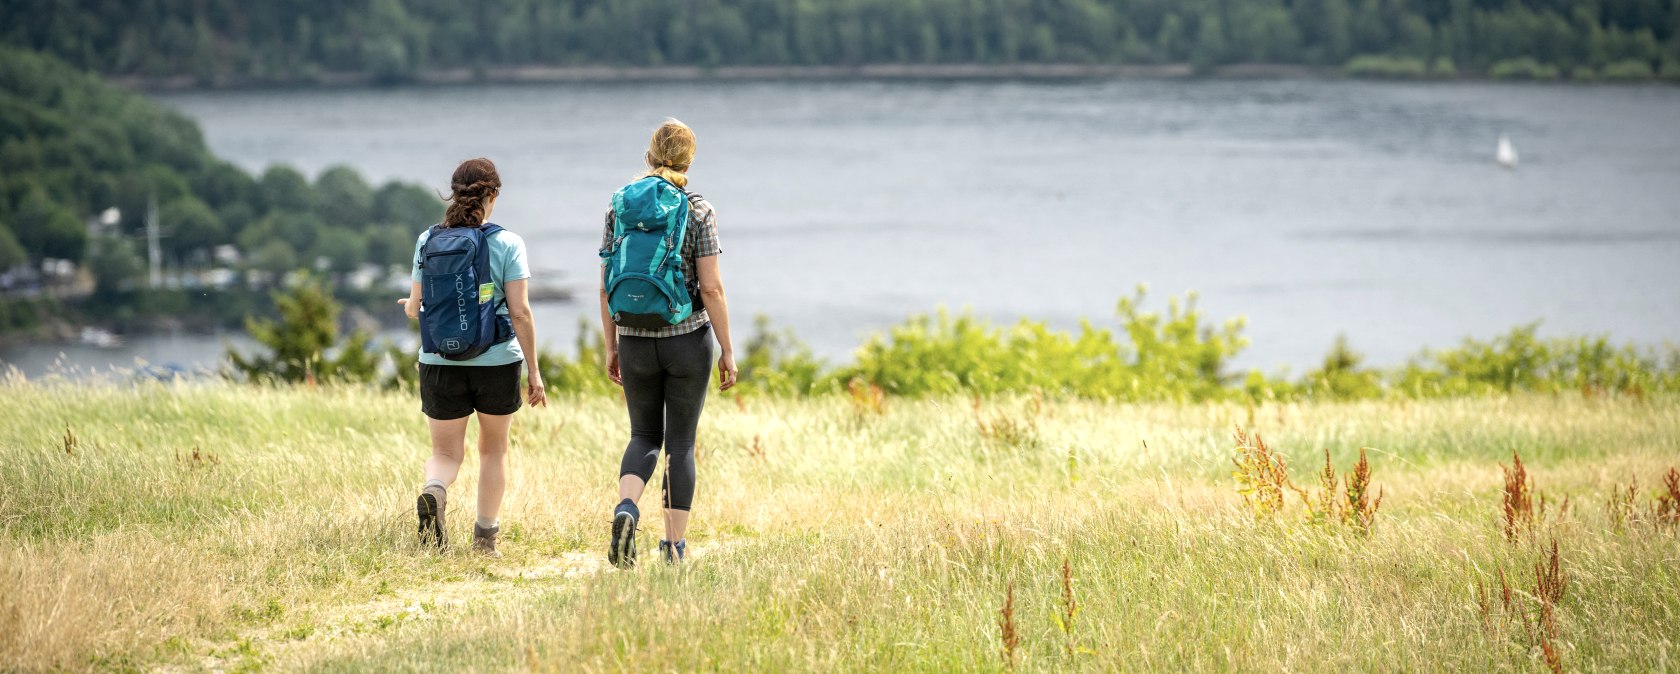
(1387, 67)
(776, 363)
(1340, 377)
(1524, 68)
(1171, 357)
(586, 372)
(24, 313)
(1520, 361)
(1670, 70)
(1179, 357)
(1583, 74)
(1629, 70)
(1444, 68)
(298, 343)
(1176, 356)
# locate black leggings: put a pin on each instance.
(665, 382)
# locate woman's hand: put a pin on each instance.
(612, 367)
(535, 393)
(411, 304)
(726, 371)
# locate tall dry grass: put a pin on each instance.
(830, 534)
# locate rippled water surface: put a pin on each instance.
(1311, 207)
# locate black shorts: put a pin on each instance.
(454, 391)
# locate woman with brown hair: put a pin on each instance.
(469, 262)
(661, 298)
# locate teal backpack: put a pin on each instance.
(644, 279)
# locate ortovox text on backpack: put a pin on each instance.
(457, 319)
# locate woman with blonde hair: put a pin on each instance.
(661, 297)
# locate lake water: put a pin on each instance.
(1311, 207)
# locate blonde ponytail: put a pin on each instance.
(670, 152)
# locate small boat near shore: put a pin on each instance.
(99, 337)
(551, 292)
(546, 288)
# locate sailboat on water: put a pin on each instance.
(1505, 154)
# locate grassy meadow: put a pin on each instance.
(223, 527)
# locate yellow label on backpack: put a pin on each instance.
(484, 292)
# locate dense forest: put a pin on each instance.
(396, 40)
(73, 147)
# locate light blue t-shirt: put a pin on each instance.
(507, 263)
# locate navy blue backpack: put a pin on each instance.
(457, 319)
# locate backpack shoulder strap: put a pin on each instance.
(481, 237)
(488, 230)
(681, 233)
(431, 235)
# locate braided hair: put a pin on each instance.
(474, 184)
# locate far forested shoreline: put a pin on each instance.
(538, 74)
(1027, 72)
(206, 42)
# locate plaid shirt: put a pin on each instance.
(700, 241)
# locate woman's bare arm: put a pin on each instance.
(518, 295)
(717, 309)
(609, 334)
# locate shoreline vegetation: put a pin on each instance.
(595, 74)
(114, 214)
(1146, 356)
(235, 43)
(1360, 68)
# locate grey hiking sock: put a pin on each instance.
(435, 483)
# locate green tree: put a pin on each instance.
(191, 225)
(392, 40)
(297, 229)
(114, 263)
(1210, 49)
(275, 257)
(407, 204)
(222, 185)
(392, 245)
(11, 252)
(343, 249)
(48, 229)
(343, 199)
(1171, 44)
(1338, 31)
(385, 48)
(236, 217)
(298, 343)
(1416, 37)
(284, 188)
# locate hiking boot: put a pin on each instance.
(430, 506)
(622, 550)
(673, 552)
(484, 540)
